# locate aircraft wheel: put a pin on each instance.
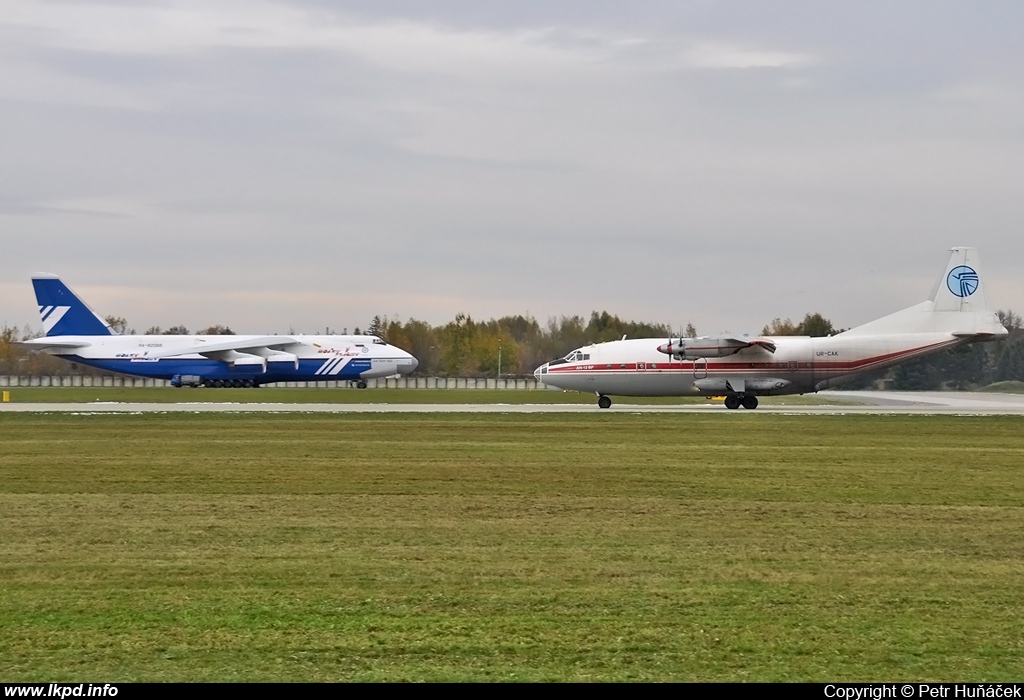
(217, 383)
(604, 402)
(361, 384)
(732, 402)
(750, 402)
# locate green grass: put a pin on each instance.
(539, 547)
(347, 395)
(1011, 386)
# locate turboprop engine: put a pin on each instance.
(723, 346)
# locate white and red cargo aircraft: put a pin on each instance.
(741, 368)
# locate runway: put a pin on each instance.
(868, 402)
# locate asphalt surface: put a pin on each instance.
(923, 402)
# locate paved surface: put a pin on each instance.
(924, 402)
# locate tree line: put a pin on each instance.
(513, 346)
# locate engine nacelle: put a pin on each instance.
(696, 348)
(279, 358)
(249, 363)
(245, 361)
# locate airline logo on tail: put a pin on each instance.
(962, 281)
(52, 315)
(62, 312)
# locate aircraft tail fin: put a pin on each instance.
(63, 312)
(957, 305)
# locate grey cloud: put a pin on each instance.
(310, 164)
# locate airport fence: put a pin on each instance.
(520, 384)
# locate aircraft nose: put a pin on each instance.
(408, 364)
(539, 373)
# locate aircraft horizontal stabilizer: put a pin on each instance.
(50, 343)
(980, 336)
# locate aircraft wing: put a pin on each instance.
(244, 344)
(982, 335)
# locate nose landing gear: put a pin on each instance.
(604, 402)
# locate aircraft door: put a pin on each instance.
(700, 368)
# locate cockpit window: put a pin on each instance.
(378, 341)
(574, 356)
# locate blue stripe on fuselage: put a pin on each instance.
(212, 369)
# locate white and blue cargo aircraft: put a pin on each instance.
(75, 332)
(741, 368)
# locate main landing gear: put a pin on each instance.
(230, 383)
(734, 401)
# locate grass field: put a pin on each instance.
(346, 395)
(1008, 387)
(733, 546)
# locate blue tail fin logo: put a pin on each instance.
(62, 312)
(962, 281)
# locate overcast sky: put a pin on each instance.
(308, 164)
